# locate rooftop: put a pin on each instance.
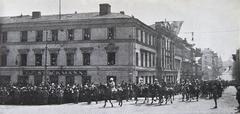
(74, 16)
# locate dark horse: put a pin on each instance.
(194, 91)
(140, 91)
(166, 93)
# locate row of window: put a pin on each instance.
(145, 57)
(145, 37)
(54, 35)
(53, 59)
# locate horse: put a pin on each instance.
(194, 92)
(140, 91)
(185, 92)
(109, 94)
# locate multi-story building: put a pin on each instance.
(165, 52)
(236, 65)
(210, 65)
(78, 48)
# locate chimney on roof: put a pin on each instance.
(122, 12)
(104, 9)
(36, 14)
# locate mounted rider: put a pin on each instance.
(112, 85)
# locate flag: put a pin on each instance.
(176, 26)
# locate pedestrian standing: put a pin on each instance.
(238, 97)
(215, 93)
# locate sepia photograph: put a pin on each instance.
(119, 56)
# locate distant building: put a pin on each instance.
(236, 65)
(210, 65)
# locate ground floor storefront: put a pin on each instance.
(70, 75)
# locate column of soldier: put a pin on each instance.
(44, 94)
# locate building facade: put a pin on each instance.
(76, 48)
(210, 65)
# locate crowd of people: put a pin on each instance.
(44, 94)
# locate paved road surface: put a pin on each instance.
(226, 105)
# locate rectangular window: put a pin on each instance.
(38, 79)
(146, 38)
(86, 58)
(146, 61)
(3, 60)
(38, 59)
(137, 59)
(70, 80)
(23, 60)
(111, 33)
(4, 37)
(150, 59)
(70, 59)
(24, 36)
(150, 40)
(39, 36)
(142, 59)
(153, 59)
(111, 58)
(53, 60)
(141, 36)
(54, 35)
(71, 34)
(86, 34)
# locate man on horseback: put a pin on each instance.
(112, 85)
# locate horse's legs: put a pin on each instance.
(136, 99)
(166, 99)
(105, 101)
(110, 102)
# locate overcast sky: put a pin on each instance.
(215, 23)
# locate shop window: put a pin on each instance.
(70, 80)
(53, 79)
(38, 80)
(23, 80)
(114, 78)
(4, 80)
(86, 80)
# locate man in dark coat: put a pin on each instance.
(238, 97)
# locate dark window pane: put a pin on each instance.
(111, 34)
(3, 60)
(86, 58)
(71, 34)
(111, 58)
(4, 37)
(53, 59)
(136, 58)
(70, 59)
(39, 36)
(24, 36)
(23, 60)
(86, 34)
(38, 59)
(54, 35)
